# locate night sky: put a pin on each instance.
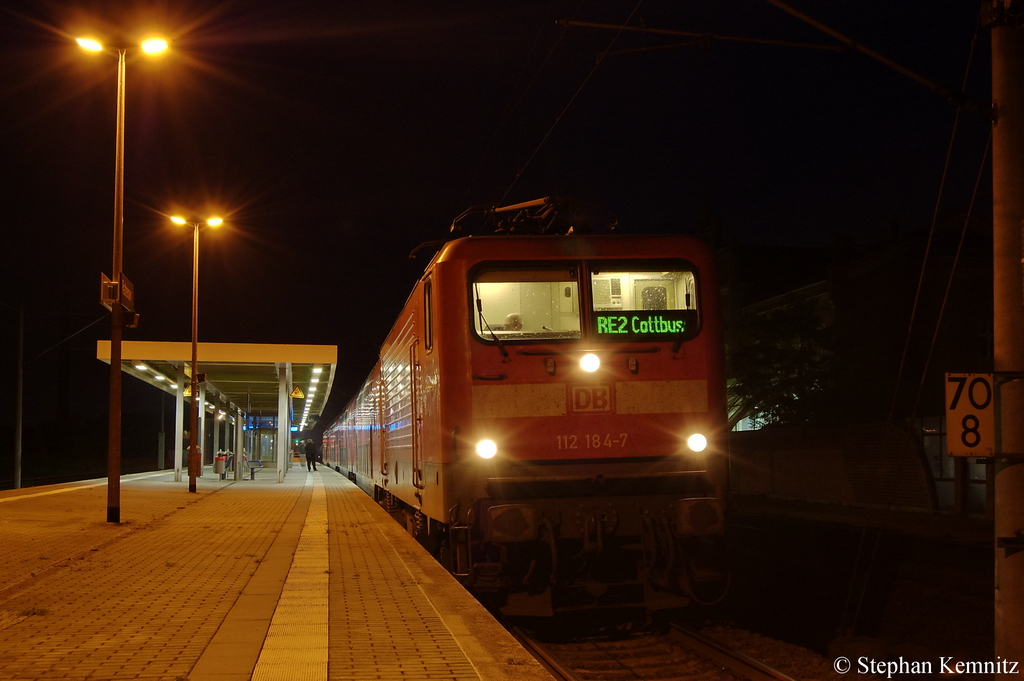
(334, 137)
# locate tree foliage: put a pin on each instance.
(781, 363)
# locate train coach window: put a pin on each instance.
(517, 304)
(428, 315)
(644, 302)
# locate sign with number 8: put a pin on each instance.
(970, 415)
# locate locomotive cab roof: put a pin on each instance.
(534, 224)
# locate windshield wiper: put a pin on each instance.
(501, 346)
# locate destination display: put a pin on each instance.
(626, 324)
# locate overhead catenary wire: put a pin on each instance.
(917, 298)
(931, 230)
(515, 101)
(949, 281)
(938, 322)
(562, 113)
(65, 340)
(956, 96)
(703, 38)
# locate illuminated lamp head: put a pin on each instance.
(590, 362)
(486, 449)
(154, 45)
(90, 44)
(697, 442)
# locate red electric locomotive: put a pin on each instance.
(548, 417)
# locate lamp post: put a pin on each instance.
(116, 291)
(18, 392)
(193, 458)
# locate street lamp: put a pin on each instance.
(197, 404)
(117, 292)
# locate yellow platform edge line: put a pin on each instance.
(302, 650)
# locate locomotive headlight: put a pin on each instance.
(590, 362)
(697, 442)
(486, 449)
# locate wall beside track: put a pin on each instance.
(863, 465)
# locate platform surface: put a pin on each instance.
(307, 579)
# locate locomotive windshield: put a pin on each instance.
(629, 300)
(632, 301)
(519, 303)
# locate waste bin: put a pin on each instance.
(219, 463)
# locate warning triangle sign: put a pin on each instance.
(296, 392)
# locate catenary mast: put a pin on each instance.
(1008, 293)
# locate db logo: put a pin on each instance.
(591, 398)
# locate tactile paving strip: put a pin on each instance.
(296, 644)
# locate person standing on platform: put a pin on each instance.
(310, 456)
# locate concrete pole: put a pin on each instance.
(19, 399)
(225, 437)
(161, 439)
(239, 446)
(229, 430)
(283, 426)
(217, 427)
(179, 421)
(195, 414)
(1008, 217)
(204, 452)
(116, 317)
(286, 441)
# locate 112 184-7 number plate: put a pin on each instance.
(591, 441)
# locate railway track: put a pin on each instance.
(678, 654)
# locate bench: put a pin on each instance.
(254, 465)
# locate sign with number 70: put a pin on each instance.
(970, 415)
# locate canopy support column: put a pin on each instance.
(284, 375)
(202, 427)
(217, 446)
(239, 447)
(179, 420)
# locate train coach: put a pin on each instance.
(547, 416)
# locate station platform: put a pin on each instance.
(306, 579)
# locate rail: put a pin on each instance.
(544, 656)
(646, 656)
(729, 658)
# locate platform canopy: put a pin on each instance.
(248, 376)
